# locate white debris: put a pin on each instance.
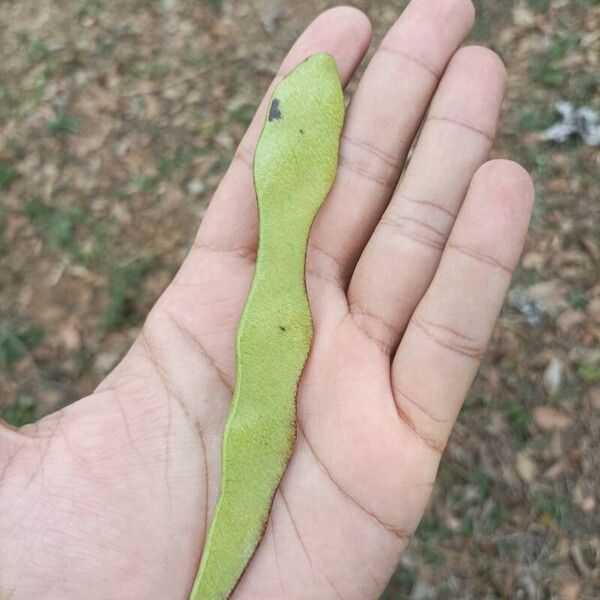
(581, 121)
(553, 375)
(195, 187)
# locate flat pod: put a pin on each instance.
(294, 167)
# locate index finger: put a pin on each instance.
(231, 220)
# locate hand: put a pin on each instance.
(110, 497)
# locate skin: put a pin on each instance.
(294, 166)
(109, 497)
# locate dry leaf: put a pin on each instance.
(570, 61)
(594, 309)
(570, 318)
(523, 17)
(592, 246)
(558, 184)
(551, 295)
(548, 417)
(594, 397)
(586, 556)
(526, 467)
(569, 589)
(48, 400)
(70, 337)
(534, 260)
(556, 470)
(105, 361)
(587, 504)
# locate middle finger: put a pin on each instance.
(383, 118)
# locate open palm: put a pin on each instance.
(110, 498)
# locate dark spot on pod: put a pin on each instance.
(302, 131)
(282, 328)
(274, 112)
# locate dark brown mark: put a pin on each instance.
(274, 112)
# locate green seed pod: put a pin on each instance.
(294, 167)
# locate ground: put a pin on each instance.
(117, 120)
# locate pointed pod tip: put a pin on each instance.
(321, 60)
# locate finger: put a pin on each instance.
(449, 331)
(382, 120)
(455, 141)
(231, 220)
